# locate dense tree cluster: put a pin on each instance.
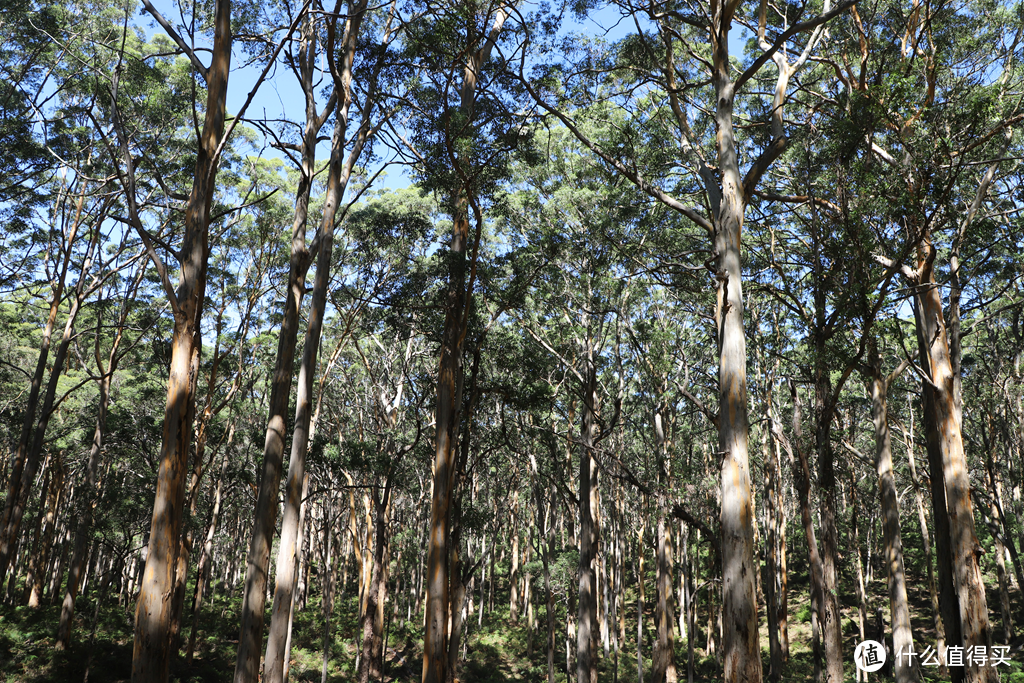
(691, 346)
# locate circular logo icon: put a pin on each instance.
(869, 656)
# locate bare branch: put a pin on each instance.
(185, 47)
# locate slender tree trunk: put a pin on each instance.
(55, 497)
(802, 476)
(291, 612)
(373, 618)
(586, 652)
(664, 667)
(771, 559)
(663, 660)
(739, 594)
(66, 543)
(1005, 611)
(831, 618)
(258, 566)
(862, 597)
(330, 578)
(203, 570)
(513, 580)
(783, 570)
(902, 637)
(458, 596)
(922, 517)
(35, 532)
(339, 172)
(547, 542)
(449, 394)
(640, 609)
(284, 578)
(688, 605)
(151, 655)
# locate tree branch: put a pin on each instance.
(786, 35)
(185, 47)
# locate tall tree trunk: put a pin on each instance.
(586, 630)
(449, 390)
(902, 638)
(250, 642)
(949, 471)
(831, 618)
(339, 172)
(663, 660)
(688, 606)
(513, 579)
(922, 518)
(273, 667)
(995, 506)
(640, 574)
(203, 569)
(664, 667)
(739, 594)
(330, 580)
(802, 476)
(151, 654)
(771, 557)
(286, 668)
(54, 498)
(862, 596)
(545, 515)
(372, 624)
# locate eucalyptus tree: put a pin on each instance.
(151, 657)
(463, 130)
(924, 131)
(685, 101)
(27, 80)
(241, 269)
(905, 668)
(579, 213)
(124, 293)
(340, 168)
(303, 54)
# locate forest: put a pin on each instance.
(492, 341)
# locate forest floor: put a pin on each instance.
(496, 653)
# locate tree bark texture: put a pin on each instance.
(739, 594)
(949, 471)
